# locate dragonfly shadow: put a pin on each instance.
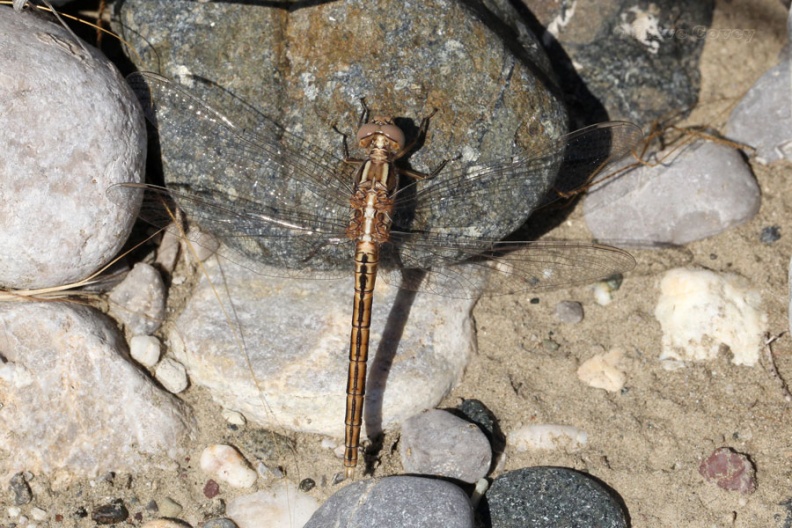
(380, 365)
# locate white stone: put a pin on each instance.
(172, 375)
(547, 436)
(38, 514)
(165, 523)
(226, 464)
(76, 405)
(283, 507)
(145, 350)
(700, 311)
(296, 344)
(601, 371)
(70, 128)
(234, 417)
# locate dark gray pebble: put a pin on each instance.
(550, 497)
(112, 513)
(770, 234)
(21, 489)
(307, 484)
(222, 522)
(475, 411)
(406, 502)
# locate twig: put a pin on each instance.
(771, 368)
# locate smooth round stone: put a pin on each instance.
(406, 502)
(145, 350)
(438, 443)
(172, 375)
(226, 464)
(570, 312)
(550, 497)
(63, 370)
(698, 192)
(70, 128)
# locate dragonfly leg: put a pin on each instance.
(364, 113)
(345, 149)
(422, 129)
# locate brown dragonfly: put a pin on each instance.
(275, 199)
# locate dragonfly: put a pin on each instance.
(277, 201)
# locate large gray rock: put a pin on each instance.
(279, 351)
(639, 60)
(73, 404)
(763, 118)
(699, 191)
(70, 128)
(307, 69)
(407, 502)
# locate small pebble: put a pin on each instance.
(112, 513)
(569, 312)
(416, 502)
(547, 436)
(283, 506)
(222, 522)
(21, 489)
(38, 514)
(307, 484)
(438, 443)
(601, 372)
(730, 470)
(770, 234)
(14, 511)
(478, 413)
(234, 417)
(145, 350)
(211, 489)
(226, 464)
(169, 507)
(139, 300)
(550, 497)
(172, 375)
(165, 523)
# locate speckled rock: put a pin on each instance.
(77, 406)
(550, 497)
(640, 60)
(438, 443)
(407, 502)
(730, 470)
(698, 191)
(70, 127)
(492, 88)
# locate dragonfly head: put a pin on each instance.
(383, 133)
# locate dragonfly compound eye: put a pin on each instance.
(383, 126)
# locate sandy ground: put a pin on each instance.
(646, 442)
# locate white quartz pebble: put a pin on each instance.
(226, 464)
(547, 436)
(601, 372)
(285, 506)
(172, 375)
(145, 350)
(700, 311)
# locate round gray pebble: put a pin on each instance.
(570, 312)
(406, 502)
(550, 497)
(139, 300)
(21, 489)
(438, 443)
(70, 128)
(222, 522)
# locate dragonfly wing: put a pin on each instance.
(265, 193)
(511, 267)
(492, 200)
